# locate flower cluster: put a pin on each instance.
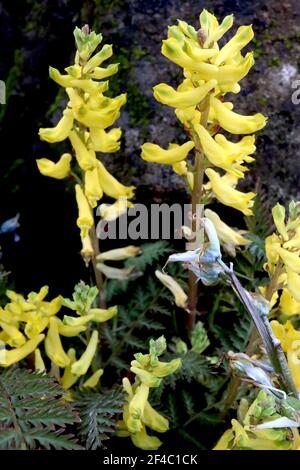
(85, 120)
(252, 431)
(209, 73)
(283, 250)
(138, 413)
(26, 323)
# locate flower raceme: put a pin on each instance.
(26, 323)
(137, 412)
(283, 252)
(209, 72)
(85, 122)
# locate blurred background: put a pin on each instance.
(36, 34)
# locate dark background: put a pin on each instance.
(34, 35)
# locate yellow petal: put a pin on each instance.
(92, 187)
(154, 420)
(278, 213)
(213, 151)
(143, 441)
(111, 186)
(179, 294)
(229, 196)
(236, 123)
(15, 337)
(58, 170)
(291, 260)
(86, 158)
(120, 254)
(81, 366)
(239, 149)
(61, 131)
(69, 331)
(219, 31)
(182, 99)
(242, 37)
(94, 379)
(225, 233)
(53, 346)
(85, 219)
(107, 142)
(38, 361)
(69, 379)
(138, 402)
(174, 52)
(104, 54)
(101, 315)
(293, 283)
(288, 305)
(116, 273)
(174, 154)
(111, 212)
(229, 75)
(17, 354)
(99, 73)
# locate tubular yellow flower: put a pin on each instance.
(154, 420)
(15, 337)
(236, 123)
(17, 354)
(116, 273)
(68, 379)
(143, 441)
(290, 341)
(107, 142)
(92, 187)
(111, 186)
(113, 211)
(288, 305)
(81, 366)
(229, 196)
(60, 131)
(174, 154)
(228, 237)
(100, 118)
(179, 294)
(53, 346)
(213, 151)
(62, 80)
(38, 361)
(99, 73)
(87, 251)
(85, 219)
(242, 37)
(101, 315)
(173, 50)
(293, 283)
(182, 99)
(278, 213)
(104, 54)
(58, 170)
(93, 381)
(241, 149)
(120, 254)
(290, 259)
(86, 158)
(138, 402)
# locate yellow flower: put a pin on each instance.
(290, 341)
(229, 196)
(231, 49)
(288, 305)
(103, 141)
(98, 73)
(213, 151)
(293, 283)
(111, 186)
(291, 260)
(86, 158)
(173, 50)
(115, 273)
(17, 354)
(104, 54)
(93, 381)
(119, 254)
(179, 294)
(136, 408)
(53, 346)
(236, 123)
(87, 251)
(154, 420)
(111, 212)
(278, 213)
(92, 187)
(182, 99)
(81, 366)
(228, 237)
(58, 170)
(60, 131)
(15, 338)
(68, 379)
(174, 154)
(85, 219)
(143, 441)
(38, 361)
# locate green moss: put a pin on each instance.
(274, 61)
